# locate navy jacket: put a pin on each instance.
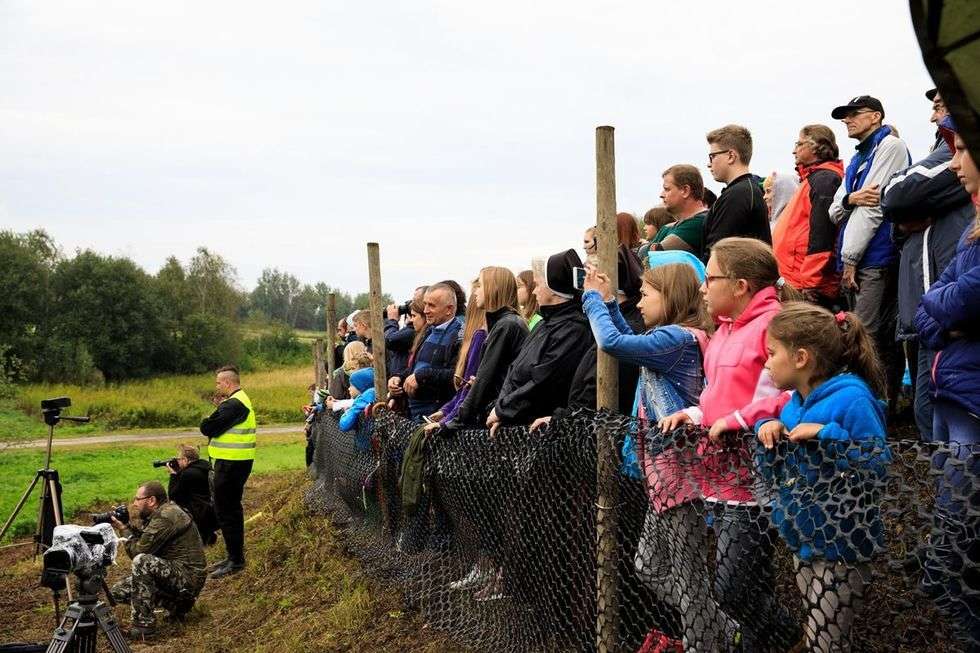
(948, 321)
(928, 190)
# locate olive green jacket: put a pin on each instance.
(170, 534)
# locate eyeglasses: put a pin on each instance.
(712, 155)
(711, 277)
(135, 499)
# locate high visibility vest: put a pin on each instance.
(238, 442)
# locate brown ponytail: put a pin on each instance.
(837, 343)
(753, 260)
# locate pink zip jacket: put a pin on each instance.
(738, 389)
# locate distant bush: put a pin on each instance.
(277, 346)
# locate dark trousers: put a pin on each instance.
(229, 485)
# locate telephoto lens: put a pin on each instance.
(166, 463)
(119, 512)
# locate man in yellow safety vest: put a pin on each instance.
(230, 430)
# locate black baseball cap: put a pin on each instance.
(859, 102)
(932, 93)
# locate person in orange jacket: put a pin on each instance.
(804, 237)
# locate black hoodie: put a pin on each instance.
(539, 378)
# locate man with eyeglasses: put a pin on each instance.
(168, 560)
(740, 209)
(930, 210)
(866, 255)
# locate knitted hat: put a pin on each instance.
(363, 379)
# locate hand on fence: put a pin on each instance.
(804, 432)
(493, 422)
(672, 422)
(717, 429)
(540, 423)
(770, 432)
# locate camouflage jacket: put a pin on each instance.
(170, 534)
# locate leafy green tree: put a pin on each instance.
(112, 307)
(212, 285)
(26, 262)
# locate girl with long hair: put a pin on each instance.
(830, 364)
(526, 299)
(742, 290)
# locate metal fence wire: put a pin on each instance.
(822, 546)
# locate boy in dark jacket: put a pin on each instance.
(190, 488)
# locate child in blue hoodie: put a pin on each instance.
(362, 389)
(825, 482)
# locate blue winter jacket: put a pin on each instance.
(671, 377)
(953, 305)
(826, 492)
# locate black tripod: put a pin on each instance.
(49, 514)
(79, 629)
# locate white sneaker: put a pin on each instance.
(476, 577)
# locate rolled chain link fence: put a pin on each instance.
(822, 546)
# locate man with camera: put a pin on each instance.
(230, 430)
(168, 560)
(190, 488)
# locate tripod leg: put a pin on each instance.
(65, 638)
(55, 502)
(20, 504)
(109, 625)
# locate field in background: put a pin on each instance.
(172, 401)
(109, 474)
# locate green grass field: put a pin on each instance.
(109, 474)
(165, 402)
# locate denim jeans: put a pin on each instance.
(952, 564)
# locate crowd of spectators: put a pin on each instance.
(789, 306)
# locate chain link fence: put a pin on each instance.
(825, 546)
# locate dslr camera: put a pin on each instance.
(404, 309)
(172, 464)
(119, 512)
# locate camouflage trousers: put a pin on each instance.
(158, 582)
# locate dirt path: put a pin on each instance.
(84, 440)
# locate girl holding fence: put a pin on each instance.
(670, 554)
(742, 290)
(826, 482)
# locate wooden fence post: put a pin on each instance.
(607, 397)
(377, 324)
(318, 362)
(331, 335)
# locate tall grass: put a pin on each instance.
(176, 401)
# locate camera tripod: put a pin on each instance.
(79, 629)
(49, 514)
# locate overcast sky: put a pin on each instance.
(456, 134)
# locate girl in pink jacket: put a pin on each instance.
(742, 290)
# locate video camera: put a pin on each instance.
(84, 551)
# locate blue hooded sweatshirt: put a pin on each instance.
(363, 380)
(826, 491)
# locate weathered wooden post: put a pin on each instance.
(377, 324)
(318, 362)
(607, 397)
(331, 335)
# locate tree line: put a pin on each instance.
(91, 316)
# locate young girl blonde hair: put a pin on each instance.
(838, 343)
(354, 355)
(499, 288)
(531, 307)
(475, 320)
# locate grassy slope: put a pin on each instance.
(300, 592)
(109, 474)
(173, 401)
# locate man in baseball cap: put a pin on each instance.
(866, 256)
(856, 104)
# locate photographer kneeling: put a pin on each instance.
(168, 560)
(190, 488)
